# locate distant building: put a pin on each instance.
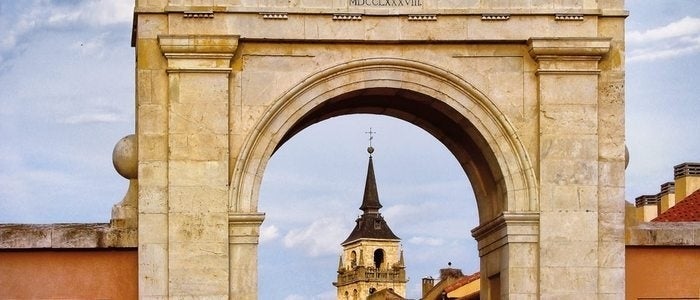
(372, 264)
(663, 240)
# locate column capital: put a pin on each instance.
(568, 55)
(198, 53)
(595, 47)
(508, 227)
(244, 228)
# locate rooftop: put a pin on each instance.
(687, 210)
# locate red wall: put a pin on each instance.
(84, 274)
(662, 272)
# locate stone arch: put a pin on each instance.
(443, 104)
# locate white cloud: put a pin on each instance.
(687, 26)
(322, 237)
(89, 118)
(268, 233)
(427, 241)
(675, 39)
(406, 212)
(22, 21)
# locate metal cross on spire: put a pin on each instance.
(370, 149)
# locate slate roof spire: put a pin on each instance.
(371, 224)
(370, 200)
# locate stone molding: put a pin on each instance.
(568, 55)
(275, 15)
(568, 17)
(664, 234)
(495, 17)
(198, 53)
(244, 228)
(428, 17)
(208, 14)
(568, 47)
(347, 17)
(65, 236)
(508, 227)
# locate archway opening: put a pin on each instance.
(466, 122)
(312, 190)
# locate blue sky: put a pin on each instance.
(67, 96)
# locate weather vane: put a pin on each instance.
(370, 149)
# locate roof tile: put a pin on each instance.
(687, 210)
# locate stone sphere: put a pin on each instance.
(125, 157)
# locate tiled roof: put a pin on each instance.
(687, 210)
(462, 282)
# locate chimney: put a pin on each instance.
(667, 196)
(647, 207)
(687, 177)
(428, 284)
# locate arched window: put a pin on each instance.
(378, 258)
(353, 259)
(355, 295)
(347, 295)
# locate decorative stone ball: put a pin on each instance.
(370, 149)
(125, 157)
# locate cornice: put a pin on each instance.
(198, 44)
(568, 47)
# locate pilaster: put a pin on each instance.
(568, 74)
(198, 68)
(244, 233)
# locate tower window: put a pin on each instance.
(353, 259)
(378, 258)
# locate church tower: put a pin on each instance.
(372, 259)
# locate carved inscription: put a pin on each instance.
(386, 2)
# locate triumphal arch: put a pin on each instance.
(527, 95)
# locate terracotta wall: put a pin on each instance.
(662, 272)
(69, 274)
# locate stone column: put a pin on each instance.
(244, 233)
(568, 75)
(198, 68)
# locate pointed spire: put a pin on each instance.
(370, 200)
(370, 224)
(401, 261)
(340, 263)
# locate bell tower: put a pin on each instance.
(372, 258)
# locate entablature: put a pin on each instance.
(387, 7)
